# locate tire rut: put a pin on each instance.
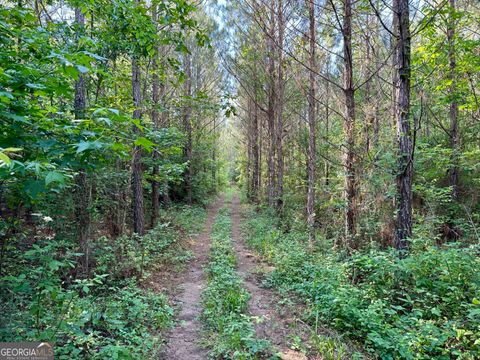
(272, 325)
(182, 343)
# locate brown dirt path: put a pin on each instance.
(274, 325)
(183, 339)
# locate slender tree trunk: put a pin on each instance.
(376, 111)
(271, 110)
(349, 129)
(260, 154)
(394, 45)
(377, 91)
(454, 137)
(280, 106)
(137, 171)
(155, 120)
(404, 133)
(164, 123)
(248, 167)
(214, 153)
(327, 124)
(256, 161)
(83, 185)
(188, 128)
(250, 138)
(369, 114)
(311, 159)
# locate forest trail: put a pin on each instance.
(263, 303)
(183, 340)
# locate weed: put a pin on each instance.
(230, 330)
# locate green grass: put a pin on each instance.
(230, 333)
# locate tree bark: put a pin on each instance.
(155, 119)
(137, 171)
(83, 185)
(394, 45)
(188, 129)
(454, 137)
(280, 106)
(155, 102)
(404, 134)
(256, 155)
(349, 129)
(311, 159)
(327, 124)
(271, 109)
(164, 123)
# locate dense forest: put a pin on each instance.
(252, 179)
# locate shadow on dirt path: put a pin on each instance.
(182, 343)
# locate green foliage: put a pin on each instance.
(127, 255)
(230, 332)
(423, 306)
(92, 318)
(105, 316)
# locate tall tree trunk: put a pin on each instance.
(248, 167)
(188, 128)
(250, 138)
(369, 114)
(327, 124)
(404, 134)
(164, 123)
(311, 159)
(155, 119)
(349, 129)
(394, 45)
(83, 185)
(214, 153)
(260, 153)
(137, 171)
(271, 108)
(280, 106)
(454, 138)
(256, 161)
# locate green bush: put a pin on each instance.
(105, 316)
(88, 318)
(424, 306)
(132, 255)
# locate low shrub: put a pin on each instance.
(424, 306)
(105, 316)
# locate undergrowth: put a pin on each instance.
(105, 316)
(424, 306)
(230, 332)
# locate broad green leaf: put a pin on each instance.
(88, 145)
(36, 86)
(34, 187)
(145, 143)
(4, 159)
(6, 96)
(54, 176)
(95, 56)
